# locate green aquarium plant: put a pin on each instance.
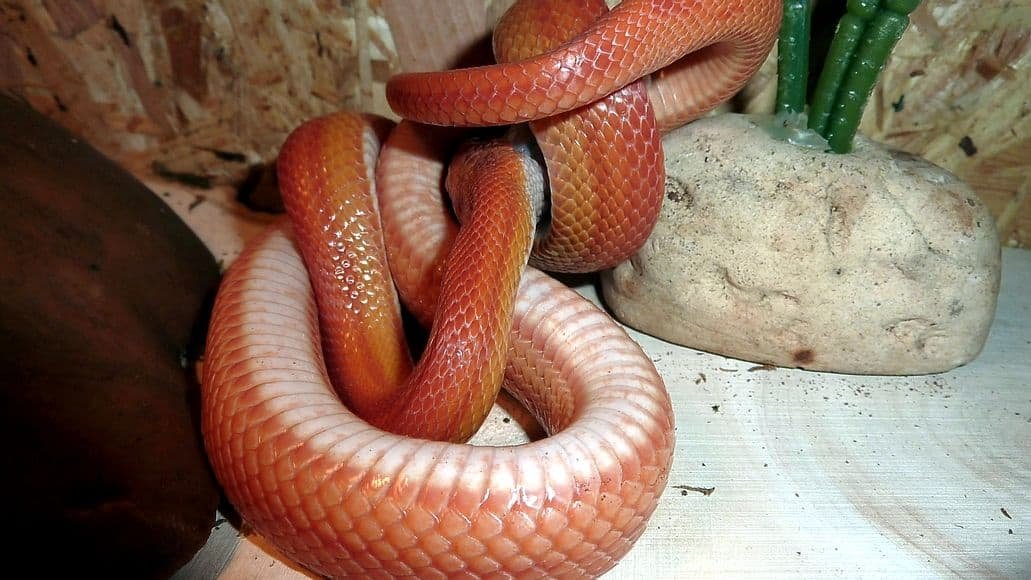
(864, 39)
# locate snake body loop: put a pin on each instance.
(703, 50)
(307, 318)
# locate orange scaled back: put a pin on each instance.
(326, 175)
(604, 160)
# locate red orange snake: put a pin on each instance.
(307, 317)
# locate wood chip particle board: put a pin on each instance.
(957, 91)
(211, 88)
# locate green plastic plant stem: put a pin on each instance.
(793, 56)
(901, 7)
(876, 44)
(839, 59)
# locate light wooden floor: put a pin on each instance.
(813, 475)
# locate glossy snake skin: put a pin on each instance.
(344, 453)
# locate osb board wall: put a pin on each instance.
(958, 92)
(207, 89)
